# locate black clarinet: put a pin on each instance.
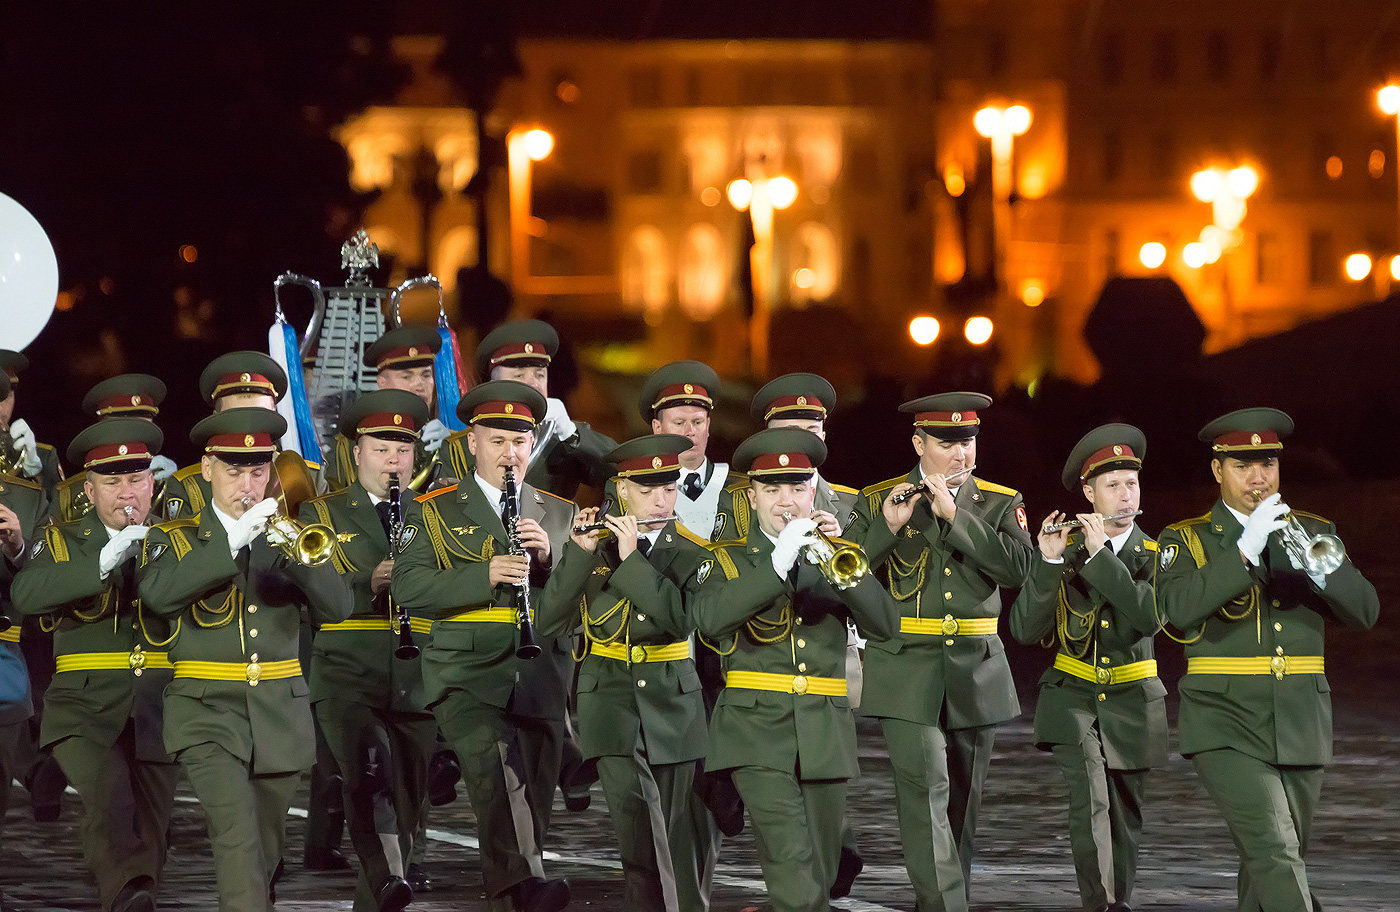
(406, 649)
(510, 518)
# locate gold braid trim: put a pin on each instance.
(1075, 646)
(342, 564)
(232, 605)
(141, 620)
(760, 628)
(901, 570)
(1198, 555)
(432, 523)
(623, 629)
(731, 571)
(58, 545)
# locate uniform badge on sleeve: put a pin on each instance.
(406, 536)
(704, 571)
(172, 507)
(157, 551)
(34, 551)
(1168, 556)
(719, 526)
(1021, 517)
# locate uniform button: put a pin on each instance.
(801, 666)
(1102, 697)
(1275, 603)
(801, 644)
(1103, 623)
(641, 617)
(253, 632)
(641, 683)
(947, 642)
(252, 609)
(253, 657)
(947, 571)
(947, 595)
(1278, 649)
(1277, 625)
(798, 622)
(1104, 659)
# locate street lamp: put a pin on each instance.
(1388, 100)
(1226, 190)
(760, 196)
(1002, 126)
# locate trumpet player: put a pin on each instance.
(1256, 716)
(370, 703)
(941, 686)
(1102, 710)
(20, 454)
(782, 726)
(102, 713)
(237, 718)
(642, 719)
(500, 713)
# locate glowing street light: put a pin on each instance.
(1358, 266)
(1152, 254)
(977, 330)
(538, 144)
(761, 196)
(1395, 268)
(782, 191)
(1194, 254)
(923, 330)
(1388, 100)
(1001, 126)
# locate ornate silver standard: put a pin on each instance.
(921, 489)
(1074, 523)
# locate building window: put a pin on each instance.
(816, 263)
(1268, 259)
(1111, 59)
(644, 172)
(644, 87)
(1217, 56)
(1164, 62)
(997, 55)
(1112, 156)
(646, 272)
(1162, 161)
(1324, 57)
(1324, 150)
(701, 280)
(1270, 55)
(863, 166)
(1323, 266)
(694, 87)
(1110, 253)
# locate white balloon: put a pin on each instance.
(28, 276)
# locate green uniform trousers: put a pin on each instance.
(797, 827)
(126, 809)
(1105, 821)
(650, 807)
(10, 736)
(490, 749)
(383, 757)
(542, 752)
(1269, 810)
(247, 819)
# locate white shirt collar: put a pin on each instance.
(1243, 518)
(111, 533)
(493, 493)
(651, 536)
(1118, 541)
(227, 521)
(373, 499)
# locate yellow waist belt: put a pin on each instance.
(488, 616)
(948, 626)
(1133, 671)
(136, 661)
(11, 635)
(252, 672)
(1278, 666)
(782, 683)
(419, 625)
(637, 654)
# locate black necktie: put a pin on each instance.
(692, 487)
(644, 546)
(501, 508)
(382, 508)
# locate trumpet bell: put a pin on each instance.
(843, 567)
(1319, 554)
(309, 545)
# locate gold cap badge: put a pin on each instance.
(245, 377)
(1254, 439)
(783, 459)
(1117, 451)
(398, 419)
(510, 408)
(801, 400)
(247, 440)
(957, 416)
(135, 400)
(121, 450)
(656, 462)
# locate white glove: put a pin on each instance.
(251, 524)
(162, 467)
(434, 433)
(564, 426)
(119, 548)
(1264, 521)
(796, 535)
(23, 441)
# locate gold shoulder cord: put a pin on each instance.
(1193, 546)
(342, 564)
(432, 523)
(902, 570)
(1075, 646)
(726, 563)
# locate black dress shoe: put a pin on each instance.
(45, 784)
(725, 805)
(394, 895)
(847, 869)
(443, 773)
(1118, 907)
(539, 895)
(418, 879)
(134, 897)
(320, 858)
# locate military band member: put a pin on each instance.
(403, 360)
(1256, 714)
(566, 453)
(369, 702)
(805, 400)
(240, 379)
(499, 713)
(123, 396)
(1101, 710)
(782, 726)
(642, 719)
(20, 454)
(941, 686)
(237, 716)
(102, 712)
(677, 399)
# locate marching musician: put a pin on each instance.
(783, 727)
(402, 359)
(805, 400)
(20, 454)
(640, 710)
(1101, 710)
(940, 687)
(566, 453)
(103, 711)
(501, 714)
(370, 703)
(1256, 715)
(237, 716)
(123, 396)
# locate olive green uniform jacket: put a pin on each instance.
(240, 610)
(27, 499)
(1100, 611)
(940, 570)
(637, 602)
(1229, 609)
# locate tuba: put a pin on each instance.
(842, 566)
(307, 544)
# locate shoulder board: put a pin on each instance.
(185, 522)
(882, 486)
(736, 482)
(555, 496)
(720, 545)
(995, 488)
(328, 496)
(687, 534)
(1193, 521)
(46, 446)
(843, 488)
(1308, 515)
(424, 498)
(186, 472)
(1149, 544)
(21, 482)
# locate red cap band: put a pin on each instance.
(116, 405)
(946, 419)
(520, 351)
(516, 411)
(116, 452)
(1116, 453)
(387, 423)
(645, 465)
(780, 463)
(240, 443)
(243, 383)
(680, 392)
(794, 404)
(396, 357)
(1247, 440)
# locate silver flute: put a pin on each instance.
(1074, 523)
(922, 489)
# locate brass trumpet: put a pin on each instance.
(9, 459)
(308, 544)
(923, 489)
(1319, 554)
(843, 567)
(1074, 523)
